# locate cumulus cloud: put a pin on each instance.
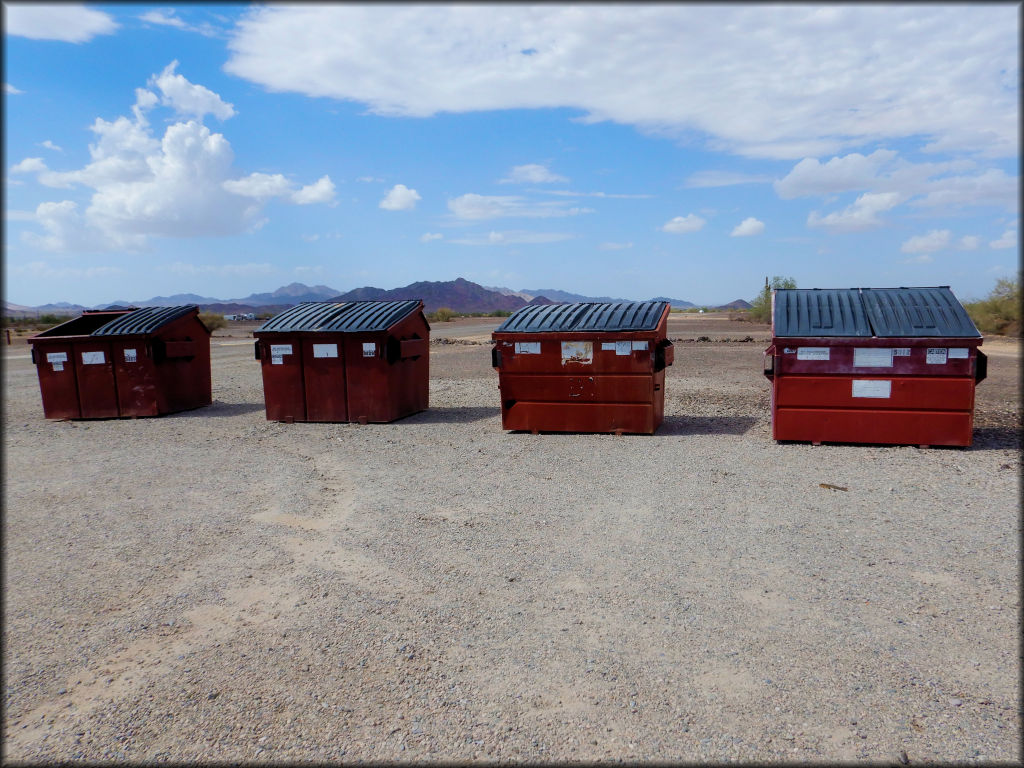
(178, 185)
(473, 206)
(163, 19)
(531, 174)
(704, 179)
(860, 216)
(935, 240)
(514, 237)
(969, 243)
(747, 227)
(11, 90)
(902, 68)
(840, 174)
(29, 165)
(50, 145)
(683, 224)
(64, 22)
(1008, 240)
(400, 198)
(426, 237)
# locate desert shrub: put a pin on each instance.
(441, 315)
(999, 313)
(212, 320)
(501, 313)
(761, 307)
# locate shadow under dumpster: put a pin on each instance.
(453, 415)
(706, 425)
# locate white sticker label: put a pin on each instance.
(578, 352)
(277, 360)
(325, 350)
(58, 366)
(623, 348)
(959, 353)
(93, 358)
(276, 350)
(527, 347)
(901, 352)
(641, 345)
(608, 346)
(872, 357)
(130, 356)
(936, 355)
(789, 350)
(369, 349)
(870, 388)
(812, 353)
(56, 357)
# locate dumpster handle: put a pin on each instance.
(769, 362)
(257, 349)
(495, 357)
(980, 367)
(34, 356)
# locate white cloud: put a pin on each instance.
(50, 145)
(860, 216)
(473, 206)
(163, 19)
(840, 174)
(969, 243)
(400, 198)
(369, 179)
(17, 215)
(703, 179)
(426, 237)
(942, 74)
(514, 237)
(11, 90)
(613, 195)
(935, 240)
(310, 238)
(64, 22)
(1008, 240)
(29, 165)
(177, 185)
(41, 270)
(747, 227)
(531, 174)
(188, 98)
(683, 224)
(615, 246)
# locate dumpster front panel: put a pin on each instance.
(97, 389)
(323, 366)
(283, 389)
(890, 427)
(634, 418)
(55, 366)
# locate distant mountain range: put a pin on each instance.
(459, 295)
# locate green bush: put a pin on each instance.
(999, 313)
(441, 315)
(212, 320)
(761, 307)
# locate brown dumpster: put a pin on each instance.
(584, 367)
(359, 361)
(124, 363)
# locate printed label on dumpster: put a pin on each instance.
(871, 388)
(577, 352)
(607, 346)
(325, 350)
(130, 356)
(58, 366)
(812, 353)
(901, 352)
(936, 355)
(872, 357)
(56, 357)
(527, 347)
(276, 350)
(639, 345)
(93, 358)
(961, 353)
(276, 360)
(369, 349)
(623, 348)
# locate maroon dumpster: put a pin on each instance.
(360, 361)
(124, 363)
(584, 367)
(873, 365)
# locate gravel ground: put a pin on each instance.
(212, 586)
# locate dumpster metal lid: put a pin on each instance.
(819, 312)
(865, 312)
(143, 320)
(585, 316)
(917, 312)
(342, 317)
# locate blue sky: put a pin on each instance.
(633, 151)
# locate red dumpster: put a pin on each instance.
(360, 361)
(584, 367)
(873, 365)
(124, 363)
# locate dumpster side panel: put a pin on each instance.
(97, 390)
(183, 373)
(136, 375)
(283, 388)
(58, 385)
(368, 379)
(323, 366)
(410, 384)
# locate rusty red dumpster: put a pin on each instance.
(583, 367)
(359, 361)
(124, 363)
(873, 365)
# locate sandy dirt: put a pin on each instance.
(213, 586)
